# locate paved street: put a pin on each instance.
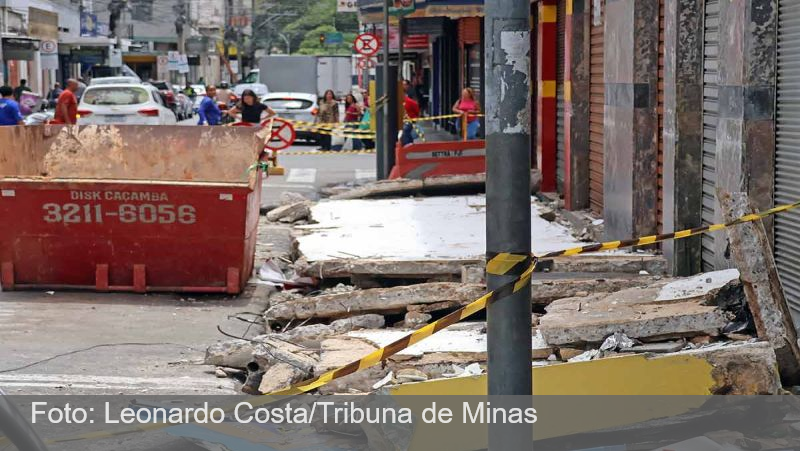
(149, 344)
(306, 174)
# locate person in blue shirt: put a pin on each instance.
(9, 108)
(208, 110)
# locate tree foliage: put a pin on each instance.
(302, 22)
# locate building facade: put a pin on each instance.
(644, 109)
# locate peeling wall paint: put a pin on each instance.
(516, 46)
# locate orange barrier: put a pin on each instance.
(418, 161)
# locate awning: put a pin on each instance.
(133, 58)
(371, 11)
(19, 48)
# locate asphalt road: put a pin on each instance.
(307, 173)
(92, 343)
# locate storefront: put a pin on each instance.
(19, 59)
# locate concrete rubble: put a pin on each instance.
(290, 213)
(594, 306)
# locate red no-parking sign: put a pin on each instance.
(283, 135)
(367, 44)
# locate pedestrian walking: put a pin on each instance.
(67, 104)
(328, 114)
(352, 116)
(9, 108)
(251, 109)
(208, 110)
(23, 87)
(468, 107)
(52, 96)
(411, 108)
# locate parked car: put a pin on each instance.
(296, 106)
(115, 81)
(166, 93)
(124, 104)
(184, 107)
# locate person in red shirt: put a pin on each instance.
(412, 112)
(67, 104)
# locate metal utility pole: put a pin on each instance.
(508, 203)
(386, 139)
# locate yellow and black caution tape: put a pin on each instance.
(327, 152)
(498, 264)
(652, 239)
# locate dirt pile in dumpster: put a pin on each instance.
(601, 307)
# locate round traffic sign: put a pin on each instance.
(48, 47)
(283, 135)
(367, 44)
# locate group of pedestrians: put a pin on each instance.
(356, 119)
(251, 109)
(66, 104)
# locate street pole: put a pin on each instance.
(508, 203)
(386, 144)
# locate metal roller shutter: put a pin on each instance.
(560, 163)
(787, 152)
(714, 244)
(596, 113)
(660, 111)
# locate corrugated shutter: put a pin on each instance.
(469, 30)
(713, 243)
(560, 164)
(596, 113)
(660, 110)
(787, 152)
(534, 77)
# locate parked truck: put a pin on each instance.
(304, 74)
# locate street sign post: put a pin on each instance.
(367, 44)
(283, 135)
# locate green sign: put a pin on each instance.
(334, 38)
(402, 7)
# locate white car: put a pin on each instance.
(296, 106)
(115, 81)
(124, 104)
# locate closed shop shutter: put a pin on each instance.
(787, 152)
(560, 163)
(713, 243)
(596, 111)
(469, 30)
(660, 109)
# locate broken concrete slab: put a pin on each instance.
(735, 368)
(429, 297)
(360, 270)
(415, 320)
(231, 353)
(430, 228)
(632, 263)
(279, 376)
(752, 253)
(741, 368)
(384, 300)
(290, 213)
(291, 197)
(272, 351)
(432, 185)
(641, 313)
(338, 327)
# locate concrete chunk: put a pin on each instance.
(290, 213)
(636, 312)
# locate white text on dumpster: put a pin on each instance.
(72, 213)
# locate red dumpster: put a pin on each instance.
(128, 208)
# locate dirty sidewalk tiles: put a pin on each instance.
(668, 309)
